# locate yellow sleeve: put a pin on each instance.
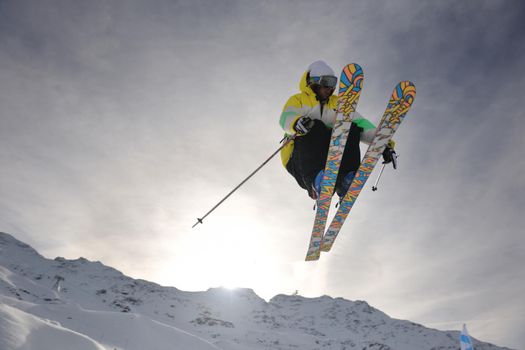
(290, 114)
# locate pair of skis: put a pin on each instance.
(350, 85)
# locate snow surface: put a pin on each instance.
(78, 304)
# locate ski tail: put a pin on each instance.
(399, 104)
(350, 84)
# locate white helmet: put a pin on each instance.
(320, 73)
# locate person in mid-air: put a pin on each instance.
(310, 116)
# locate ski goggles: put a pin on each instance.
(324, 81)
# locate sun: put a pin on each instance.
(230, 286)
(219, 254)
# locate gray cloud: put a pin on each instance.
(120, 124)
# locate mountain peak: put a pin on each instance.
(8, 243)
(6, 240)
(102, 304)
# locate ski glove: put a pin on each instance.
(389, 156)
(303, 125)
(391, 143)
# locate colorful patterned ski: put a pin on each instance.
(350, 84)
(400, 102)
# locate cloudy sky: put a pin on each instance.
(122, 122)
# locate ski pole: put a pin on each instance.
(374, 187)
(286, 141)
(394, 163)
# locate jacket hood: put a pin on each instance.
(303, 85)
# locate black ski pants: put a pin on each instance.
(310, 152)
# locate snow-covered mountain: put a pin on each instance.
(83, 305)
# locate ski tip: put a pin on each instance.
(353, 67)
(351, 80)
(406, 90)
(403, 95)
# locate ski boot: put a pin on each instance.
(345, 185)
(315, 190)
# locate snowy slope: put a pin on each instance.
(77, 304)
(20, 330)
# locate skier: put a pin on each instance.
(310, 116)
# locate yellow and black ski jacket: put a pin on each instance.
(306, 104)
